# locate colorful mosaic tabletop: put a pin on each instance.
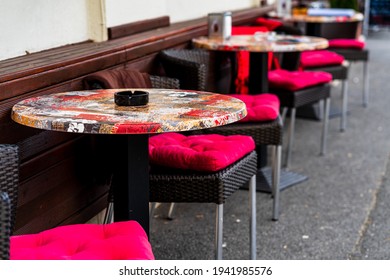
(259, 43)
(319, 19)
(96, 112)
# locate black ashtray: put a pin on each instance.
(131, 98)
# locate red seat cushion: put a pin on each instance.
(247, 30)
(211, 152)
(260, 107)
(270, 24)
(116, 241)
(297, 80)
(346, 44)
(319, 58)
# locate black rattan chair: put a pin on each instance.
(191, 67)
(179, 186)
(66, 246)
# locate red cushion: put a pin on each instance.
(319, 58)
(260, 107)
(297, 80)
(346, 44)
(116, 241)
(247, 30)
(268, 23)
(211, 152)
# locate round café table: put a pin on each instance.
(95, 112)
(259, 47)
(329, 27)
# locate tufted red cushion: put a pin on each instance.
(297, 80)
(116, 241)
(247, 30)
(260, 107)
(319, 58)
(210, 152)
(268, 23)
(346, 44)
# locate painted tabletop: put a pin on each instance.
(258, 43)
(96, 112)
(320, 19)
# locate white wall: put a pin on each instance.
(28, 26)
(125, 11)
(31, 26)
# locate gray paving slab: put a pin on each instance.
(341, 212)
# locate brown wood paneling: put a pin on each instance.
(137, 27)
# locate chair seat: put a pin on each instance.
(247, 30)
(209, 152)
(297, 80)
(320, 58)
(84, 242)
(270, 24)
(346, 44)
(260, 107)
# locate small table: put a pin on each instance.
(258, 78)
(259, 48)
(94, 112)
(329, 27)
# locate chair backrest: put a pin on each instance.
(190, 67)
(5, 225)
(9, 175)
(9, 180)
(122, 78)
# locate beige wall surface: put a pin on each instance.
(32, 26)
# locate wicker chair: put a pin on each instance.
(354, 55)
(191, 67)
(84, 241)
(356, 52)
(339, 71)
(174, 185)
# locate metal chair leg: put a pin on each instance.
(290, 138)
(276, 168)
(109, 215)
(366, 84)
(170, 211)
(219, 232)
(344, 109)
(325, 126)
(252, 204)
(284, 113)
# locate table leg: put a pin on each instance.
(131, 179)
(258, 73)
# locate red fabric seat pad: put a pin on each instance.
(346, 44)
(297, 80)
(243, 58)
(116, 241)
(319, 58)
(260, 107)
(270, 24)
(211, 152)
(247, 30)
